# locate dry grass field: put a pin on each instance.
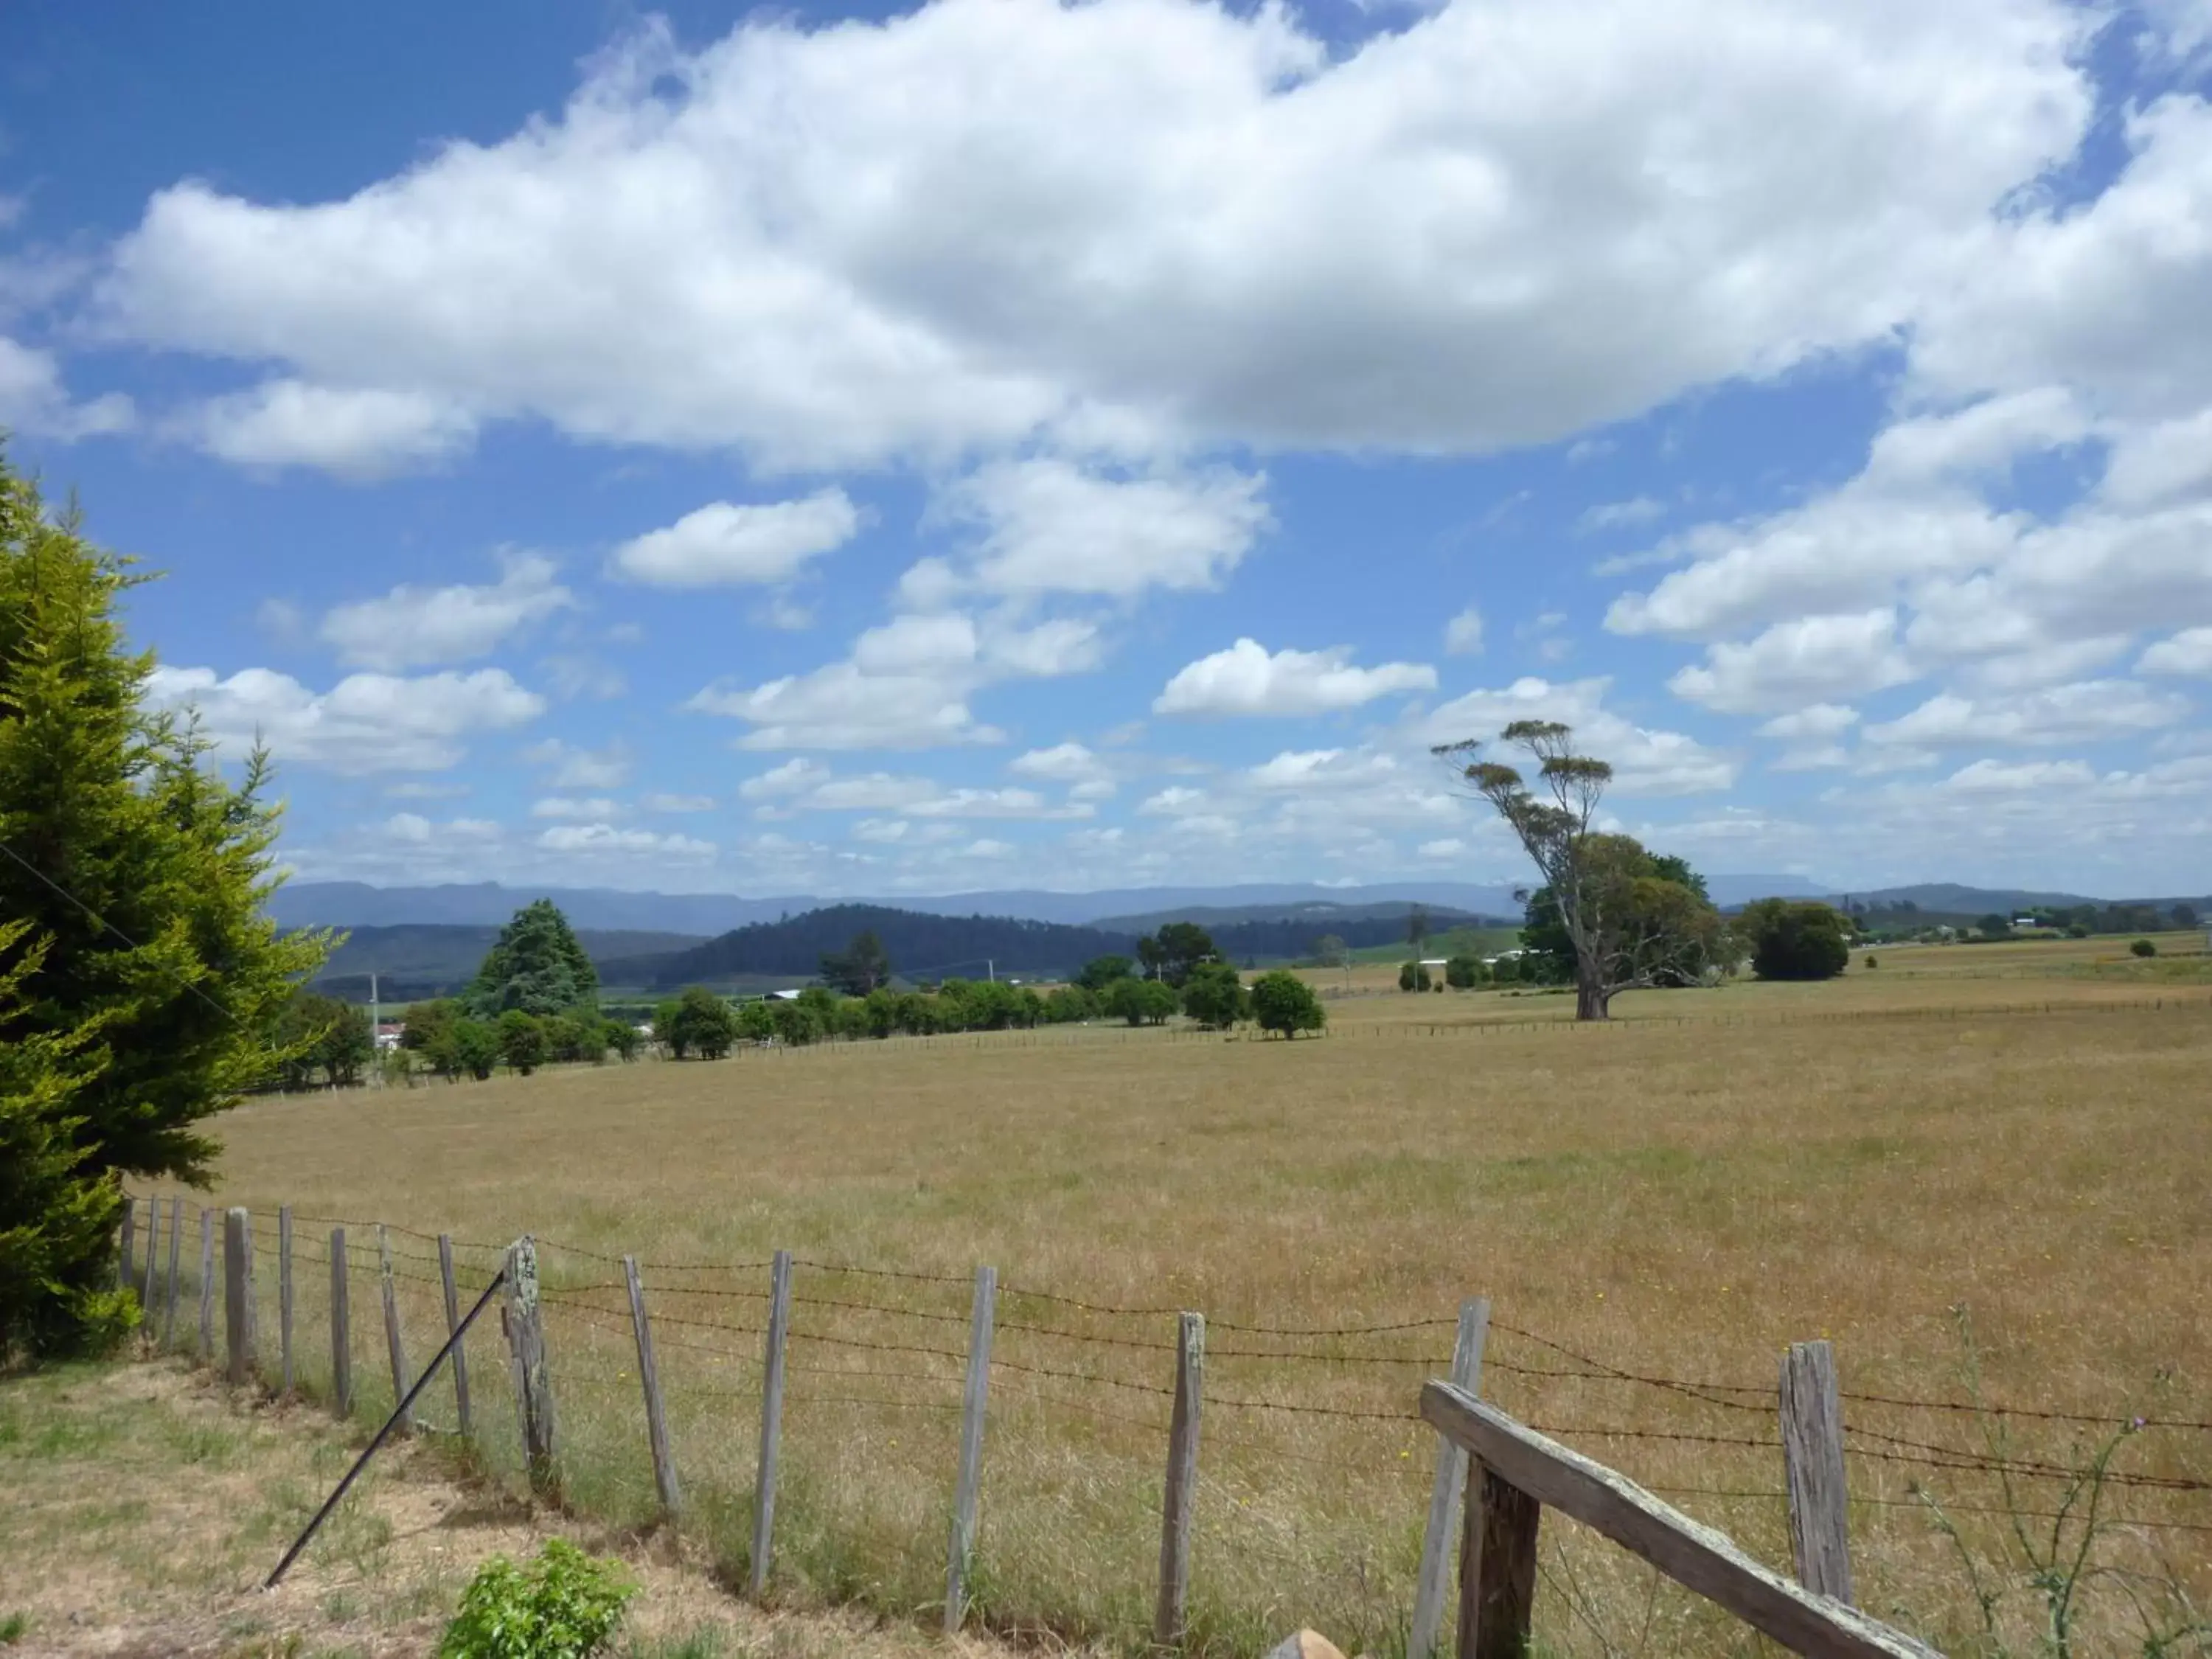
(1981, 1172)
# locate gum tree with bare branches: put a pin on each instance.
(1629, 926)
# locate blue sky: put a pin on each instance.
(1003, 444)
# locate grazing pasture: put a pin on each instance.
(1981, 1172)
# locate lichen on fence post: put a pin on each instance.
(533, 1381)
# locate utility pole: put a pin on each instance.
(991, 968)
(375, 1027)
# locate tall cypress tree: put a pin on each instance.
(139, 875)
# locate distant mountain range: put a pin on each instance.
(417, 960)
(923, 946)
(481, 905)
(967, 934)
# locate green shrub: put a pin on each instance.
(564, 1604)
(1284, 1003)
(2144, 947)
(1872, 960)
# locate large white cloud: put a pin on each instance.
(1246, 679)
(365, 723)
(1050, 527)
(1143, 218)
(907, 683)
(2081, 713)
(722, 544)
(1645, 760)
(415, 627)
(360, 431)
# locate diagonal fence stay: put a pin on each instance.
(1519, 1473)
(1090, 1399)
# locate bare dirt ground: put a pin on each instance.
(141, 1507)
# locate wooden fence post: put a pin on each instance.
(1180, 1506)
(127, 1236)
(533, 1381)
(207, 1286)
(176, 1251)
(1497, 1567)
(974, 1398)
(340, 1327)
(459, 1361)
(1447, 1492)
(649, 1374)
(284, 1293)
(237, 1292)
(153, 1251)
(392, 1342)
(1812, 1469)
(778, 1331)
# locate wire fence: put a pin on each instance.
(1314, 1451)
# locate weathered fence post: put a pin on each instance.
(284, 1293)
(778, 1331)
(176, 1250)
(460, 1360)
(981, 1320)
(237, 1292)
(533, 1381)
(1812, 1469)
(649, 1374)
(1448, 1491)
(1180, 1506)
(1497, 1567)
(340, 1327)
(129, 1238)
(152, 1244)
(392, 1342)
(207, 1286)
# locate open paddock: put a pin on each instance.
(1993, 1175)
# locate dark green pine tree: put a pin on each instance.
(537, 966)
(134, 876)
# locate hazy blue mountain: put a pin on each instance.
(414, 960)
(355, 904)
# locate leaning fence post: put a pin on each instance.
(237, 1292)
(649, 1374)
(207, 1286)
(284, 1293)
(1448, 1490)
(153, 1242)
(460, 1360)
(128, 1236)
(974, 1397)
(340, 1327)
(1812, 1469)
(778, 1331)
(176, 1248)
(534, 1381)
(1181, 1504)
(392, 1342)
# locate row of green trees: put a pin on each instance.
(701, 1023)
(453, 1041)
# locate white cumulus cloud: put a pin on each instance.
(722, 544)
(1246, 679)
(415, 627)
(365, 723)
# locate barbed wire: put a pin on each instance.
(1754, 1399)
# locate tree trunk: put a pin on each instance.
(1592, 1000)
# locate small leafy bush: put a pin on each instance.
(1873, 961)
(564, 1604)
(2144, 947)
